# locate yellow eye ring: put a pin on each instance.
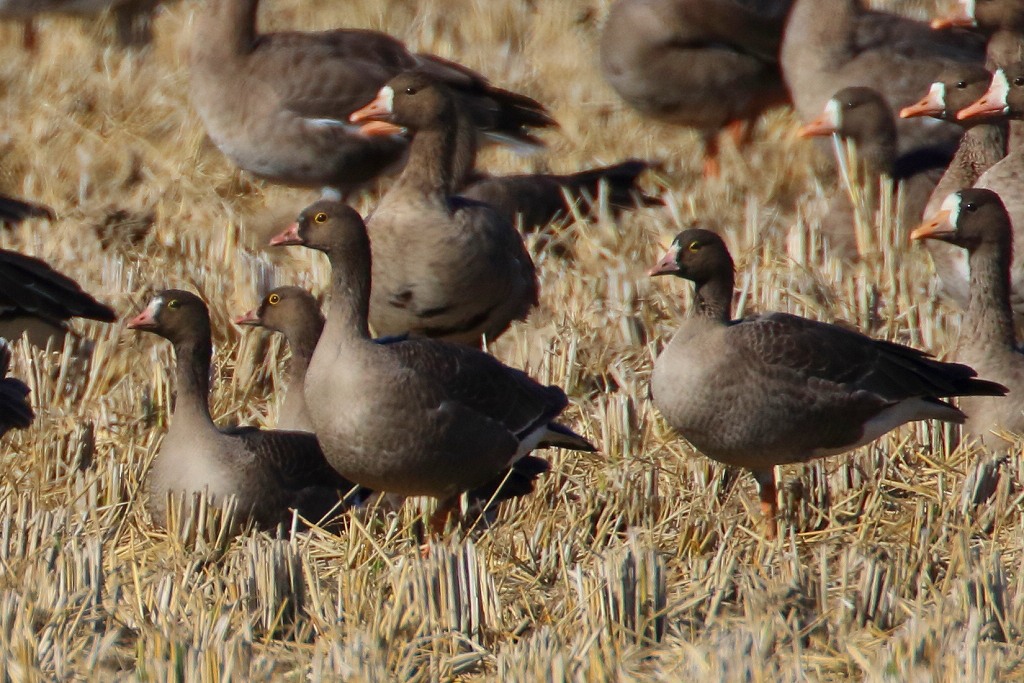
(274, 299)
(694, 246)
(172, 304)
(320, 218)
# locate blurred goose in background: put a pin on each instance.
(269, 472)
(775, 388)
(422, 417)
(277, 104)
(533, 200)
(976, 220)
(1000, 21)
(444, 266)
(862, 116)
(38, 301)
(1005, 98)
(14, 211)
(984, 143)
(295, 312)
(133, 18)
(704, 64)
(832, 44)
(15, 411)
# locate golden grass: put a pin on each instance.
(898, 562)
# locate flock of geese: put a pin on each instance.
(392, 391)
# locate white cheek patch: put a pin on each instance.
(999, 88)
(387, 98)
(952, 204)
(833, 110)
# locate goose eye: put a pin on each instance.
(274, 299)
(1019, 80)
(970, 206)
(961, 84)
(173, 304)
(320, 218)
(694, 246)
(849, 105)
(410, 90)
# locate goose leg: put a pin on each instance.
(769, 499)
(28, 36)
(739, 132)
(712, 169)
(439, 520)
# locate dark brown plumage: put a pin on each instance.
(269, 472)
(14, 211)
(278, 104)
(776, 388)
(422, 417)
(15, 411)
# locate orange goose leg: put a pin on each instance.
(769, 500)
(28, 36)
(712, 169)
(739, 132)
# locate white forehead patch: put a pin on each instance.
(833, 110)
(937, 94)
(968, 8)
(952, 204)
(999, 88)
(387, 96)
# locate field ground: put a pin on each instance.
(644, 561)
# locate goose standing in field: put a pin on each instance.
(832, 44)
(862, 115)
(295, 313)
(705, 64)
(422, 417)
(984, 143)
(14, 211)
(775, 388)
(133, 17)
(277, 104)
(443, 266)
(976, 220)
(268, 471)
(15, 411)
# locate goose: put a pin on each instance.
(444, 266)
(832, 44)
(861, 114)
(269, 472)
(1001, 21)
(277, 104)
(422, 417)
(975, 220)
(15, 411)
(705, 64)
(776, 388)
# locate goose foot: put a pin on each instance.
(769, 500)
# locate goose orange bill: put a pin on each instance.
(820, 126)
(992, 102)
(961, 16)
(936, 228)
(378, 128)
(379, 109)
(929, 105)
(144, 320)
(667, 264)
(289, 237)
(250, 318)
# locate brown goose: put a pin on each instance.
(1001, 21)
(982, 146)
(534, 200)
(133, 17)
(833, 44)
(976, 220)
(423, 417)
(705, 64)
(15, 412)
(1005, 98)
(862, 115)
(277, 104)
(444, 266)
(268, 471)
(295, 313)
(14, 211)
(776, 388)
